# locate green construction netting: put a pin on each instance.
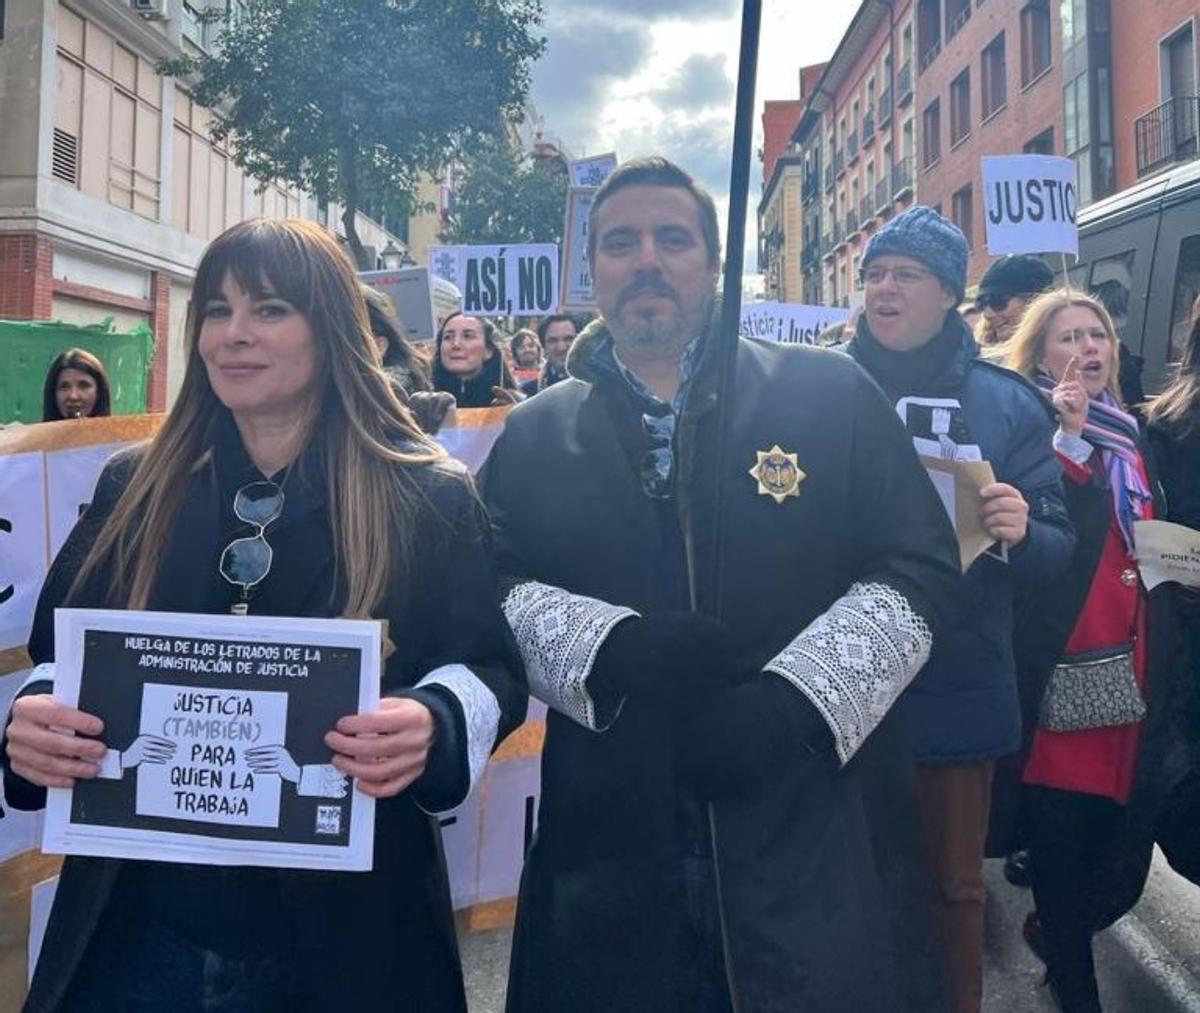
(27, 348)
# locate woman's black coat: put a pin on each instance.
(374, 940)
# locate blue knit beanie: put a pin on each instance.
(923, 234)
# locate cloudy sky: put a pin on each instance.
(657, 76)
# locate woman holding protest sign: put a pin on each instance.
(470, 364)
(1097, 694)
(76, 387)
(286, 430)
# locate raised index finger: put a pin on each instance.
(1071, 373)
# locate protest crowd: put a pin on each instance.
(816, 635)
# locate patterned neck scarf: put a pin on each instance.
(1114, 433)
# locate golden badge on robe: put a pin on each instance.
(778, 473)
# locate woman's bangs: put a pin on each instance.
(264, 259)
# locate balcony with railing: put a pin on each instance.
(883, 196)
(930, 55)
(904, 86)
(885, 107)
(829, 177)
(852, 148)
(827, 242)
(839, 233)
(902, 178)
(851, 221)
(1167, 134)
(839, 162)
(960, 19)
(868, 128)
(866, 210)
(811, 185)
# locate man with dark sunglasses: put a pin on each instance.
(725, 818)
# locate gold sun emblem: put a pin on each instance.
(778, 474)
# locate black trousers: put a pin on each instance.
(1068, 835)
(1178, 828)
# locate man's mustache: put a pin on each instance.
(653, 286)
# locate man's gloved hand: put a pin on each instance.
(671, 658)
(746, 735)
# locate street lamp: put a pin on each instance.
(392, 257)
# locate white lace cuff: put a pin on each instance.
(481, 713)
(321, 780)
(853, 661)
(1074, 448)
(559, 634)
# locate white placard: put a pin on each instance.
(205, 719)
(496, 281)
(577, 294)
(1167, 552)
(591, 172)
(1030, 204)
(412, 298)
(70, 481)
(789, 323)
(23, 543)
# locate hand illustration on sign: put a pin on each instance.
(313, 780)
(153, 749)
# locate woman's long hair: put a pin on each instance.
(399, 358)
(85, 362)
(443, 379)
(1177, 408)
(1024, 351)
(356, 420)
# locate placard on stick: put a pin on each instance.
(1030, 204)
(501, 280)
(577, 294)
(215, 731)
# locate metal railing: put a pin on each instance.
(885, 105)
(865, 209)
(852, 148)
(1167, 134)
(868, 128)
(902, 177)
(930, 55)
(883, 196)
(851, 222)
(839, 162)
(829, 177)
(827, 242)
(904, 86)
(960, 19)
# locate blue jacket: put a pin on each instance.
(963, 704)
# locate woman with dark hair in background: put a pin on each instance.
(400, 362)
(1173, 430)
(470, 364)
(76, 387)
(286, 436)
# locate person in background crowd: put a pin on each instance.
(1173, 431)
(405, 368)
(526, 350)
(704, 841)
(470, 365)
(971, 315)
(556, 334)
(76, 387)
(282, 410)
(1005, 289)
(961, 712)
(1104, 757)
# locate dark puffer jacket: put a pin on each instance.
(963, 705)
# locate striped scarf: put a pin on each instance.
(1114, 433)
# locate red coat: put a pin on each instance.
(1099, 761)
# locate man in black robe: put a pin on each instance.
(726, 817)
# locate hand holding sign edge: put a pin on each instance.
(384, 750)
(52, 745)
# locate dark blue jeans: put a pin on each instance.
(157, 971)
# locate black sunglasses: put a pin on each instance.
(245, 562)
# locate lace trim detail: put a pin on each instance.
(481, 713)
(856, 659)
(559, 634)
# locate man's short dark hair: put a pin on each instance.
(554, 318)
(654, 170)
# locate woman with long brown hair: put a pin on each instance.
(76, 387)
(286, 424)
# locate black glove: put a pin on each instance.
(669, 658)
(748, 735)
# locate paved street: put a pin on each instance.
(1149, 962)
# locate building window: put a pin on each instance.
(931, 133)
(1043, 144)
(1035, 40)
(957, 14)
(1074, 22)
(962, 212)
(1077, 132)
(993, 83)
(960, 107)
(1, 19)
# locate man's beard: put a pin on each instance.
(672, 330)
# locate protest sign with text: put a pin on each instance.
(591, 172)
(411, 296)
(789, 323)
(577, 295)
(501, 280)
(215, 729)
(1030, 203)
(1167, 552)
